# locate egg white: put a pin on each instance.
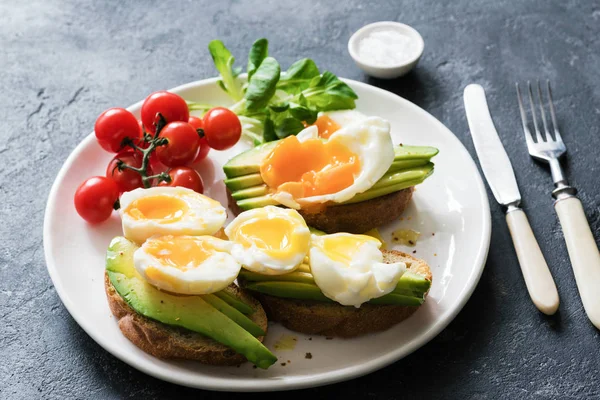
(265, 261)
(369, 138)
(344, 117)
(204, 215)
(215, 273)
(355, 281)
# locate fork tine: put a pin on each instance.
(538, 134)
(528, 137)
(543, 113)
(557, 136)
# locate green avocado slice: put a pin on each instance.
(404, 152)
(190, 312)
(410, 284)
(249, 161)
(307, 291)
(256, 202)
(254, 191)
(234, 314)
(296, 276)
(233, 301)
(244, 181)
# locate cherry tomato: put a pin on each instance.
(182, 144)
(171, 106)
(222, 128)
(204, 148)
(113, 126)
(186, 177)
(126, 179)
(95, 198)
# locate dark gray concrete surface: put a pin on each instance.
(63, 62)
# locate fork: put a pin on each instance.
(581, 245)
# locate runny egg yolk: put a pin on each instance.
(275, 235)
(166, 208)
(179, 252)
(343, 248)
(326, 126)
(309, 168)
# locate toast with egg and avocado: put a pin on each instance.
(223, 328)
(297, 303)
(250, 185)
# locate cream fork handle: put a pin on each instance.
(538, 279)
(584, 254)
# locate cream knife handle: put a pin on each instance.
(583, 252)
(538, 279)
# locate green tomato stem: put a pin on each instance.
(154, 142)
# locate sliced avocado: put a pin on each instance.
(306, 291)
(256, 202)
(411, 286)
(398, 300)
(234, 314)
(399, 165)
(254, 191)
(190, 312)
(249, 161)
(234, 301)
(299, 277)
(382, 191)
(409, 175)
(390, 183)
(404, 152)
(412, 283)
(243, 182)
(290, 290)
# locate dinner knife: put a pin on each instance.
(500, 176)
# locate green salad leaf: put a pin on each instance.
(298, 76)
(262, 85)
(328, 93)
(258, 52)
(273, 104)
(223, 61)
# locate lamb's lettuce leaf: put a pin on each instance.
(274, 104)
(224, 61)
(258, 52)
(262, 85)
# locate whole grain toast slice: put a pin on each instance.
(335, 320)
(352, 218)
(170, 342)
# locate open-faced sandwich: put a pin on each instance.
(169, 281)
(339, 284)
(343, 173)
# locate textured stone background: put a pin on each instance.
(63, 62)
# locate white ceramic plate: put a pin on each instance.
(450, 210)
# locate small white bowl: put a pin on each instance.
(386, 71)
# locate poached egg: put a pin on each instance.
(269, 240)
(328, 163)
(164, 210)
(349, 269)
(187, 264)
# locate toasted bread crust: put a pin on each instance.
(168, 342)
(335, 320)
(352, 218)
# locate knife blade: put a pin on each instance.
(494, 161)
(500, 176)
